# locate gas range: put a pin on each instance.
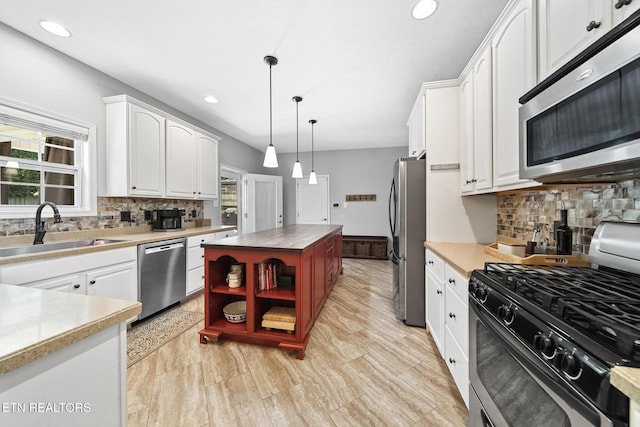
(579, 322)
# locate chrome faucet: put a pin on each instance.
(40, 231)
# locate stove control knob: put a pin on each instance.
(481, 293)
(506, 313)
(570, 365)
(545, 345)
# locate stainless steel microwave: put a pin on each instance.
(583, 122)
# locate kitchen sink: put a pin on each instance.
(33, 249)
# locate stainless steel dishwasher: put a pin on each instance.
(161, 274)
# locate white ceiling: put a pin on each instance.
(358, 64)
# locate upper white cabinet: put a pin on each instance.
(513, 68)
(181, 160)
(135, 144)
(476, 126)
(566, 27)
(163, 156)
(417, 136)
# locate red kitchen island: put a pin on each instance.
(287, 269)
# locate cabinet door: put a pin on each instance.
(417, 137)
(319, 276)
(483, 135)
(435, 310)
(195, 280)
(146, 152)
(181, 161)
(73, 284)
(467, 134)
(623, 11)
(116, 281)
(513, 74)
(456, 317)
(207, 170)
(458, 364)
(563, 30)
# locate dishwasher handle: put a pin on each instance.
(163, 248)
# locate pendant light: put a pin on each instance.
(312, 175)
(297, 167)
(270, 158)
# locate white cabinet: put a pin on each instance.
(434, 294)
(566, 27)
(476, 127)
(195, 261)
(135, 143)
(513, 69)
(114, 281)
(109, 273)
(181, 160)
(163, 156)
(416, 124)
(448, 318)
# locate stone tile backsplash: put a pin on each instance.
(520, 211)
(109, 209)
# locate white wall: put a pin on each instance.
(367, 171)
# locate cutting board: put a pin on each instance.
(536, 259)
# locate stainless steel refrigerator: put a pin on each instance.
(407, 220)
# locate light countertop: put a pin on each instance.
(36, 322)
(627, 380)
(464, 257)
(130, 236)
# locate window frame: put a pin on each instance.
(86, 194)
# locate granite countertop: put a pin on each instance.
(464, 257)
(130, 236)
(627, 380)
(36, 322)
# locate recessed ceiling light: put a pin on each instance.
(424, 8)
(54, 28)
(211, 99)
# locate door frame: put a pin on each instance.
(240, 176)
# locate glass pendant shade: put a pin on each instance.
(270, 158)
(424, 8)
(297, 170)
(312, 178)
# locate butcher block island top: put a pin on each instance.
(288, 269)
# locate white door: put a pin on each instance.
(264, 202)
(312, 201)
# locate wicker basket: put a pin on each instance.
(379, 249)
(363, 248)
(348, 248)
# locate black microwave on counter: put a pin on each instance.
(582, 123)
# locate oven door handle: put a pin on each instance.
(552, 383)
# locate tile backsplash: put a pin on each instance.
(521, 211)
(109, 209)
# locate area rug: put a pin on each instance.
(149, 335)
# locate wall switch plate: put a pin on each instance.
(344, 205)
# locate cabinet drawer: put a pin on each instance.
(456, 282)
(435, 264)
(195, 257)
(196, 241)
(456, 317)
(458, 364)
(195, 280)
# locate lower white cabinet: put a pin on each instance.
(195, 261)
(448, 318)
(110, 273)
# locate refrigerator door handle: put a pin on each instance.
(392, 221)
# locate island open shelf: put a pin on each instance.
(290, 268)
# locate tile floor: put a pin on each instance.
(362, 367)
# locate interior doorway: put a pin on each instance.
(232, 197)
(312, 201)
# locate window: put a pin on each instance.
(43, 158)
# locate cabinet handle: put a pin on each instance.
(474, 180)
(201, 256)
(93, 282)
(592, 25)
(452, 316)
(438, 292)
(467, 182)
(76, 286)
(430, 262)
(452, 281)
(622, 3)
(452, 360)
(133, 188)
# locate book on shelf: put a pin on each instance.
(268, 275)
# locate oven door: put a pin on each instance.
(510, 386)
